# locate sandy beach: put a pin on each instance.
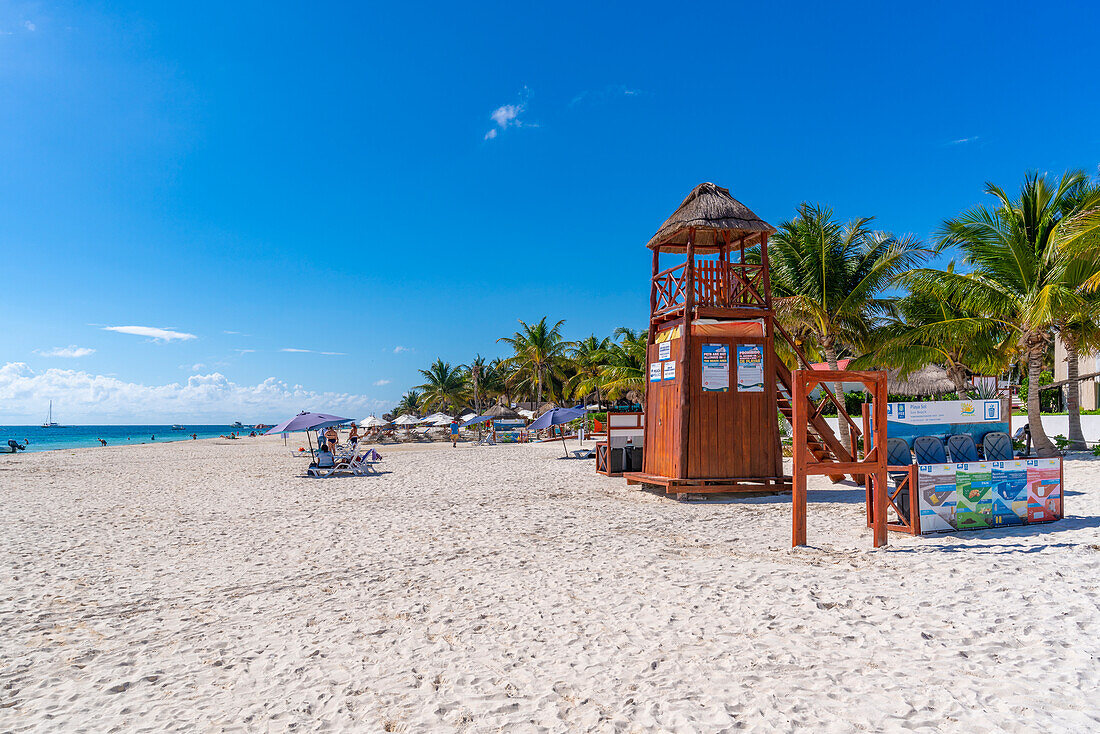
(206, 586)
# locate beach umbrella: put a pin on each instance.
(307, 422)
(372, 422)
(405, 420)
(434, 418)
(476, 420)
(444, 421)
(556, 417)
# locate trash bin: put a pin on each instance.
(615, 460)
(633, 461)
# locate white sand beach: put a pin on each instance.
(206, 586)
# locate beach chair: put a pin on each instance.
(997, 446)
(363, 463)
(326, 466)
(898, 454)
(961, 448)
(929, 450)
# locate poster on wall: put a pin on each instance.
(988, 494)
(716, 368)
(670, 370)
(664, 351)
(750, 368)
(654, 371)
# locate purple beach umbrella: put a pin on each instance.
(556, 417)
(308, 422)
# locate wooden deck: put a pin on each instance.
(711, 485)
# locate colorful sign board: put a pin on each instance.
(670, 370)
(750, 368)
(508, 430)
(664, 351)
(654, 371)
(716, 368)
(988, 494)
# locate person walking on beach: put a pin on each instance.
(353, 438)
(454, 434)
(101, 442)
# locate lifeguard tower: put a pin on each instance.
(715, 384)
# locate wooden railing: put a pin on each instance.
(716, 283)
(828, 396)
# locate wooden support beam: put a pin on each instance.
(685, 362)
(798, 485)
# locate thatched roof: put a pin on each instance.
(711, 210)
(501, 411)
(928, 380)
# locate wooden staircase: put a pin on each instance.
(822, 443)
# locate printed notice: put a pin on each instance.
(750, 368)
(716, 368)
(654, 371)
(670, 370)
(664, 351)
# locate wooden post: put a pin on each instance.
(798, 483)
(869, 497)
(653, 294)
(880, 458)
(685, 363)
(766, 268)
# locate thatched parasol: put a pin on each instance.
(928, 380)
(501, 411)
(711, 210)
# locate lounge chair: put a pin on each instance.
(326, 465)
(997, 446)
(898, 454)
(961, 448)
(929, 450)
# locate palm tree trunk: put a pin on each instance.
(838, 390)
(1035, 349)
(1073, 393)
(957, 374)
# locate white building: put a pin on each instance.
(1087, 364)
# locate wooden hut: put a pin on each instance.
(715, 385)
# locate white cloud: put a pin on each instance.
(507, 115)
(380, 383)
(960, 141)
(159, 335)
(296, 351)
(69, 352)
(82, 397)
(398, 349)
(244, 351)
(198, 367)
(29, 26)
(231, 332)
(335, 354)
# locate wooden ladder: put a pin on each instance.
(821, 441)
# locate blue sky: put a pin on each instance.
(395, 182)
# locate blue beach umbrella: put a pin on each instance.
(556, 417)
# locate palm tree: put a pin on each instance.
(443, 385)
(828, 280)
(1079, 333)
(586, 358)
(476, 369)
(927, 327)
(539, 351)
(625, 370)
(409, 403)
(1025, 274)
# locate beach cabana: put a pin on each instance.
(928, 380)
(502, 411)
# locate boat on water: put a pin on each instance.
(236, 424)
(49, 419)
(177, 427)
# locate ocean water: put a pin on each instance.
(38, 438)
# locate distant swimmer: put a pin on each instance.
(153, 438)
(194, 437)
(101, 442)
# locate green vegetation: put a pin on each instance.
(1027, 269)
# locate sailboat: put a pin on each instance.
(49, 418)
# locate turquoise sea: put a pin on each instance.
(38, 438)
